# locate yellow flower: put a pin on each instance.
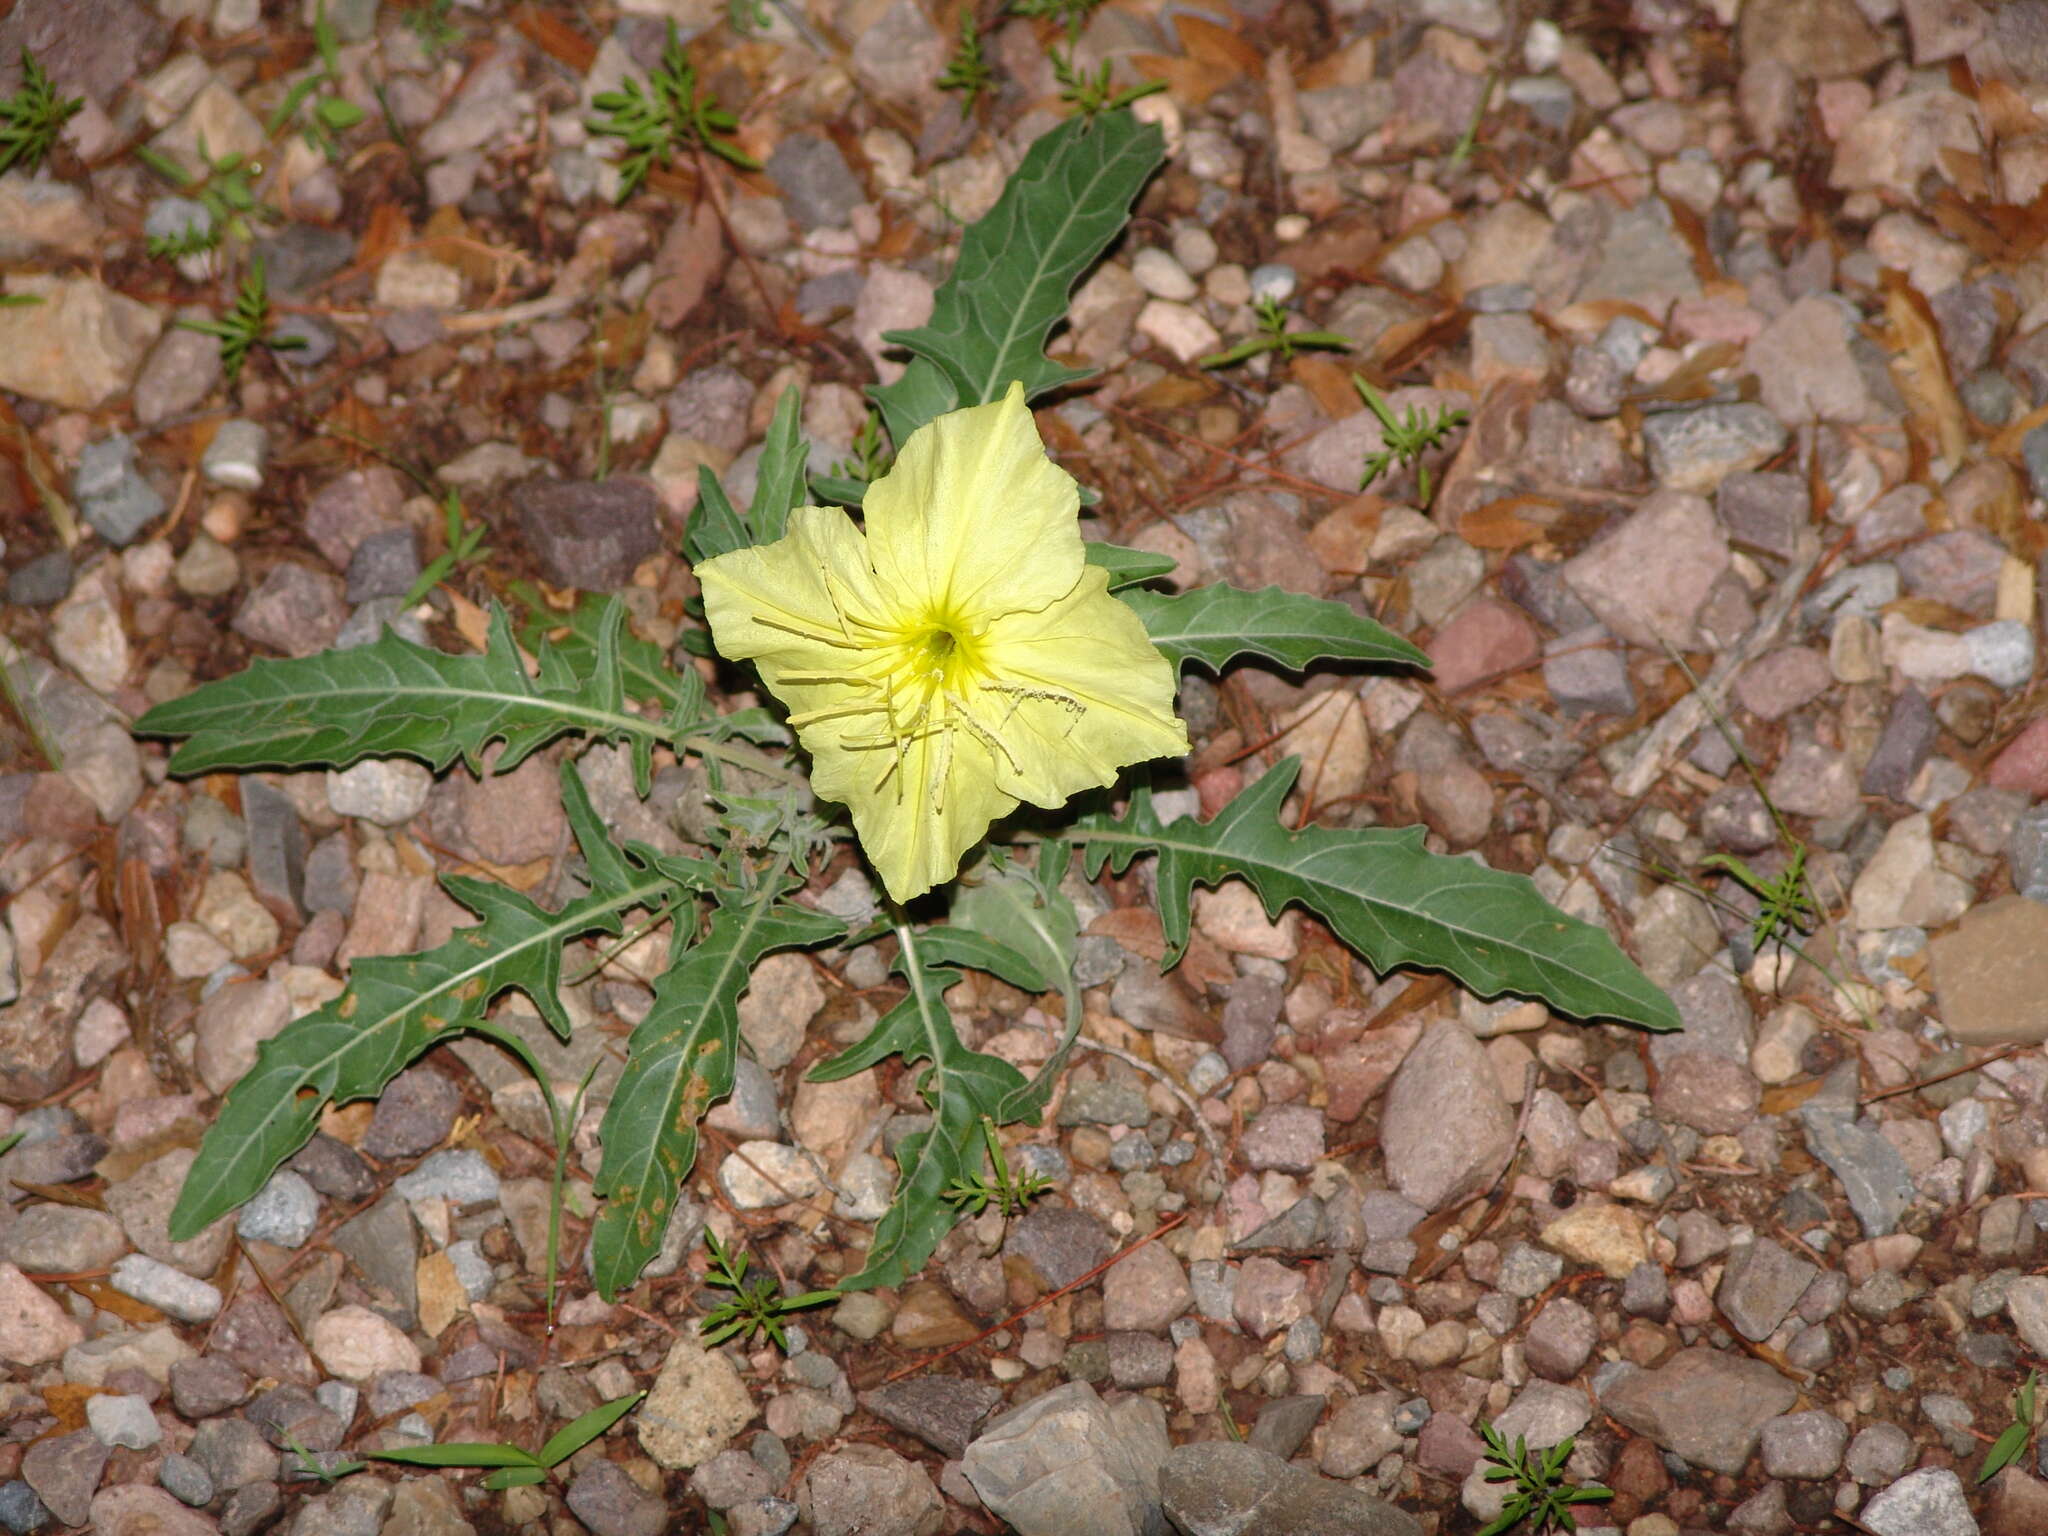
(960, 656)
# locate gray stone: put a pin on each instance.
(1803, 1445)
(610, 1503)
(52, 1239)
(1445, 1128)
(1872, 1173)
(285, 1211)
(207, 1386)
(946, 1412)
(817, 185)
(1561, 1339)
(1707, 1405)
(1698, 448)
(20, 1510)
(42, 582)
(64, 1471)
(1908, 737)
(1360, 1435)
(1059, 1243)
(111, 491)
(1218, 1488)
(385, 564)
(588, 534)
(1930, 1502)
(335, 1169)
(123, 1419)
(413, 1116)
(1765, 512)
(185, 1480)
(1065, 1464)
(1286, 1422)
(1878, 1454)
(380, 1242)
(294, 610)
(172, 1292)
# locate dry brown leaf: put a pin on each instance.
(127, 1308)
(1173, 392)
(66, 1400)
(1919, 367)
(1330, 382)
(471, 622)
(1348, 244)
(553, 36)
(1190, 82)
(2007, 113)
(1786, 1097)
(1203, 39)
(61, 1194)
(1135, 929)
(1928, 613)
(692, 255)
(1505, 524)
(2002, 233)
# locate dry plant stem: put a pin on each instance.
(1678, 724)
(1046, 1300)
(1941, 1077)
(1181, 1095)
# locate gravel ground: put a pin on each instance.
(1748, 303)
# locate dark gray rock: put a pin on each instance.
(277, 846)
(1285, 1423)
(588, 534)
(1872, 1173)
(294, 610)
(185, 1480)
(234, 1451)
(1764, 512)
(42, 582)
(250, 1508)
(610, 1503)
(414, 1115)
(64, 1471)
(385, 564)
(1903, 746)
(20, 1510)
(290, 1413)
(335, 1169)
(946, 1412)
(1059, 1243)
(299, 256)
(1707, 1405)
(818, 187)
(1218, 1488)
(207, 1386)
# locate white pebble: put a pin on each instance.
(1161, 276)
(171, 1291)
(2002, 653)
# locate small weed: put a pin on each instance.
(1406, 438)
(464, 543)
(1542, 1497)
(1009, 1192)
(329, 1467)
(967, 71)
(2011, 1446)
(1073, 13)
(332, 114)
(755, 1308)
(247, 326)
(1273, 336)
(655, 122)
(868, 456)
(227, 192)
(517, 1468)
(1092, 95)
(32, 117)
(747, 16)
(430, 24)
(20, 300)
(1785, 905)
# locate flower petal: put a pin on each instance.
(788, 605)
(974, 518)
(1080, 692)
(917, 819)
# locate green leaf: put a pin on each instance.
(1010, 907)
(573, 1436)
(961, 1086)
(397, 1007)
(977, 951)
(1127, 567)
(393, 697)
(715, 528)
(337, 114)
(679, 1063)
(1061, 208)
(1214, 624)
(458, 1454)
(2004, 1452)
(779, 482)
(514, 1477)
(1387, 897)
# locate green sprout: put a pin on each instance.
(654, 123)
(1406, 438)
(516, 1468)
(1274, 336)
(2012, 1445)
(465, 542)
(1092, 95)
(332, 114)
(32, 117)
(745, 16)
(1542, 1496)
(247, 326)
(1010, 1192)
(868, 457)
(1074, 13)
(755, 1308)
(967, 71)
(430, 24)
(227, 192)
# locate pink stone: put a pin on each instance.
(1484, 638)
(2023, 765)
(1355, 1071)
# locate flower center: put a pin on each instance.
(941, 654)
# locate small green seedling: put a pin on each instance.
(19, 300)
(328, 1467)
(247, 326)
(1092, 95)
(656, 122)
(32, 117)
(1406, 438)
(1542, 1497)
(1009, 1192)
(755, 1308)
(1072, 13)
(464, 543)
(967, 71)
(227, 192)
(747, 16)
(868, 455)
(517, 1468)
(1273, 336)
(332, 114)
(2011, 1446)
(429, 23)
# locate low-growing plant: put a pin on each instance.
(227, 192)
(962, 654)
(1092, 95)
(513, 1467)
(1072, 14)
(756, 1308)
(332, 114)
(32, 117)
(1273, 336)
(247, 325)
(432, 25)
(1009, 1191)
(968, 71)
(1542, 1498)
(2011, 1445)
(1405, 438)
(462, 544)
(669, 114)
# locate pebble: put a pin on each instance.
(756, 1175)
(387, 791)
(235, 456)
(1929, 1502)
(1160, 275)
(357, 1344)
(122, 1419)
(458, 1175)
(285, 1212)
(185, 1480)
